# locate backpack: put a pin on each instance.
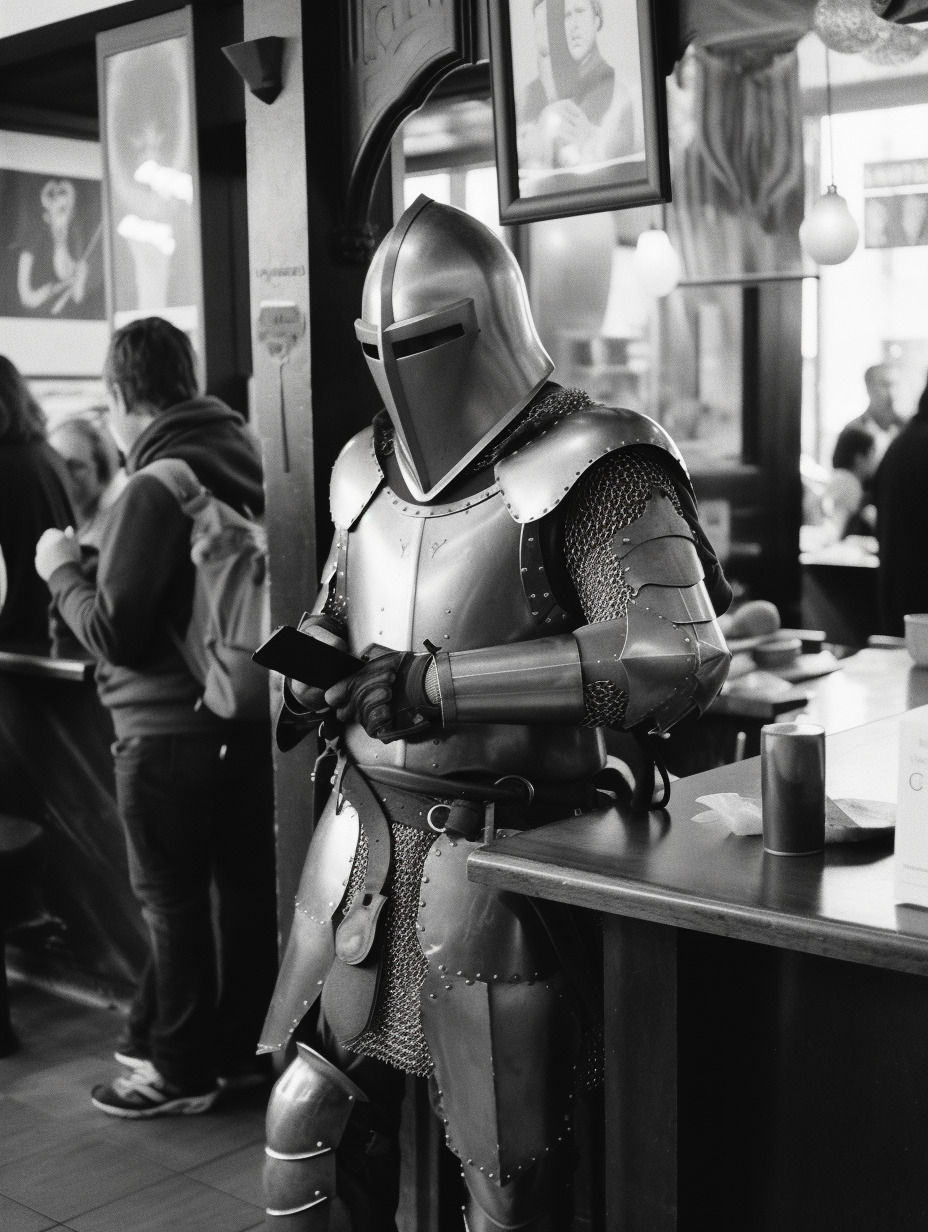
(231, 597)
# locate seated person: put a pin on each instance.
(846, 502)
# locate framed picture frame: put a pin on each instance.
(52, 302)
(579, 107)
(153, 243)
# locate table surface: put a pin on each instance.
(871, 684)
(666, 868)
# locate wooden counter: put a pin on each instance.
(663, 878)
(55, 739)
(31, 663)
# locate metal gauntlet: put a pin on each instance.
(664, 657)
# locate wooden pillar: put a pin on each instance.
(306, 408)
(278, 238)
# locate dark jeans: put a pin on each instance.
(198, 815)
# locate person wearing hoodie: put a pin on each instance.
(194, 791)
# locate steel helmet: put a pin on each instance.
(449, 338)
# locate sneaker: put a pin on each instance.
(135, 1058)
(138, 1094)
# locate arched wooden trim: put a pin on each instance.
(395, 52)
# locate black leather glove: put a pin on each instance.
(387, 696)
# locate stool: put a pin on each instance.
(19, 846)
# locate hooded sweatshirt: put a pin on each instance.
(144, 578)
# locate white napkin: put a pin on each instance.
(846, 821)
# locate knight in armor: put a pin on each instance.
(520, 568)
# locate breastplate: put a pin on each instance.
(452, 574)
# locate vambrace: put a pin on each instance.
(665, 656)
(306, 1118)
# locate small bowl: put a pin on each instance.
(777, 652)
(916, 637)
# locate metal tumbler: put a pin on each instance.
(792, 783)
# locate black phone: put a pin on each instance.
(305, 658)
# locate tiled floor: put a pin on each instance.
(63, 1164)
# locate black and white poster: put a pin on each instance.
(51, 256)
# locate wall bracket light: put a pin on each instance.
(258, 62)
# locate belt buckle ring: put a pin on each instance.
(431, 824)
(517, 778)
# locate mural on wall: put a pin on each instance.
(51, 260)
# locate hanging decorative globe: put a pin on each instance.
(828, 233)
(848, 26)
(896, 45)
(657, 263)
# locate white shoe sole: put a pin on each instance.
(185, 1105)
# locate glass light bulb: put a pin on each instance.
(828, 233)
(657, 263)
(847, 26)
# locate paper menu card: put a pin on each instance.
(911, 852)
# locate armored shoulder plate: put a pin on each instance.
(535, 479)
(356, 476)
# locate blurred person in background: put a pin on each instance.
(880, 418)
(901, 495)
(91, 456)
(847, 499)
(34, 496)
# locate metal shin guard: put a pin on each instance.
(306, 1118)
(536, 1201)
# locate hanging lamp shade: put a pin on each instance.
(828, 233)
(657, 263)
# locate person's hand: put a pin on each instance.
(574, 126)
(54, 549)
(390, 685)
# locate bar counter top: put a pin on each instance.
(36, 663)
(668, 869)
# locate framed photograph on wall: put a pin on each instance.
(578, 107)
(52, 304)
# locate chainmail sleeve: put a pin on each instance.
(609, 496)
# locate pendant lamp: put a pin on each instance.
(828, 234)
(657, 262)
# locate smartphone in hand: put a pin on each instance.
(305, 658)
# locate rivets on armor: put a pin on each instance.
(442, 967)
(431, 996)
(449, 987)
(425, 880)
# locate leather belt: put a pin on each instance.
(441, 811)
(509, 788)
